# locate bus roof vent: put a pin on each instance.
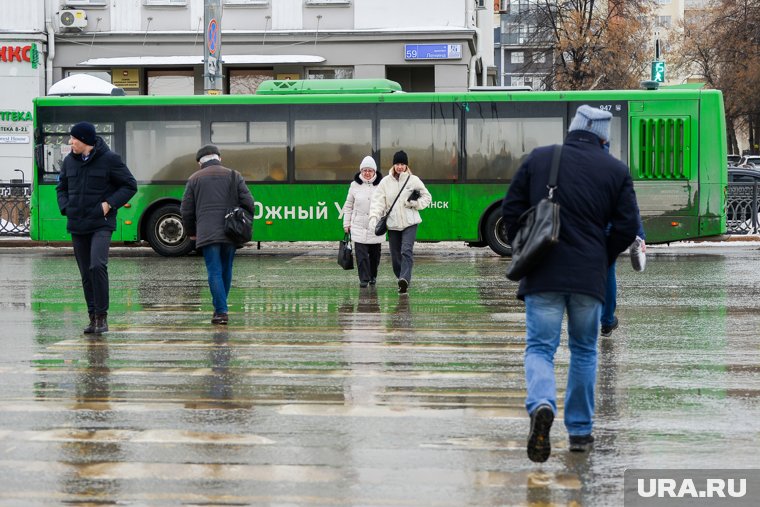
(650, 85)
(326, 86)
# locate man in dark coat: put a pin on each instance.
(204, 205)
(593, 189)
(94, 183)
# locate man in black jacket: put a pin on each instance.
(206, 200)
(94, 183)
(593, 189)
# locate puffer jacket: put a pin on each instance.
(405, 213)
(84, 185)
(206, 199)
(356, 210)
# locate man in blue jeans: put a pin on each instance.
(593, 189)
(206, 200)
(637, 251)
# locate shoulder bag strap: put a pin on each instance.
(233, 197)
(399, 194)
(552, 185)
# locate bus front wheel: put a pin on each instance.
(165, 232)
(496, 234)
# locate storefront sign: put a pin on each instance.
(9, 54)
(16, 116)
(129, 79)
(13, 139)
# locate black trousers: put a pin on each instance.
(367, 260)
(91, 252)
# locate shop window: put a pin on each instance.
(330, 73)
(171, 82)
(246, 81)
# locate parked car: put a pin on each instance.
(743, 175)
(739, 203)
(749, 161)
(734, 159)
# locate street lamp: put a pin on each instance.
(22, 174)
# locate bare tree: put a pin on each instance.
(720, 45)
(595, 45)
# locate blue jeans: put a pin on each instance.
(610, 297)
(219, 257)
(543, 319)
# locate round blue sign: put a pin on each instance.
(213, 30)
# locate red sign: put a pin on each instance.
(15, 53)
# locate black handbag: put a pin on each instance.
(238, 223)
(381, 227)
(346, 253)
(538, 229)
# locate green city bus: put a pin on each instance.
(299, 144)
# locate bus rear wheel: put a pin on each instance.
(496, 234)
(166, 234)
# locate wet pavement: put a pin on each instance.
(319, 393)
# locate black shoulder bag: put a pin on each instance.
(382, 225)
(539, 229)
(238, 223)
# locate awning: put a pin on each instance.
(156, 61)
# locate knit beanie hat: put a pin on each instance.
(400, 158)
(368, 162)
(209, 149)
(85, 132)
(593, 120)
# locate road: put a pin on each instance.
(322, 393)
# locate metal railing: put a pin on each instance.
(14, 209)
(742, 208)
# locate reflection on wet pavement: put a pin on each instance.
(319, 393)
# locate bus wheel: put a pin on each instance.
(165, 232)
(496, 234)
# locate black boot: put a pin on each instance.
(91, 326)
(101, 323)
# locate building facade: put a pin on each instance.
(156, 47)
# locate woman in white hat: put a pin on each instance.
(356, 221)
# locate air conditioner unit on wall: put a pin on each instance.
(72, 18)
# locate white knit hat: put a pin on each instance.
(593, 120)
(368, 162)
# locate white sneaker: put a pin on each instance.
(637, 251)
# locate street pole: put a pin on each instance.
(212, 53)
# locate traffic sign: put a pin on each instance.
(658, 72)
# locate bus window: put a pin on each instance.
(430, 143)
(497, 146)
(171, 146)
(258, 150)
(428, 133)
(331, 149)
(57, 145)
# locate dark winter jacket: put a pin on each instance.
(84, 185)
(593, 189)
(206, 201)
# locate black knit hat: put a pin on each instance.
(85, 132)
(209, 149)
(400, 158)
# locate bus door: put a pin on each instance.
(663, 162)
